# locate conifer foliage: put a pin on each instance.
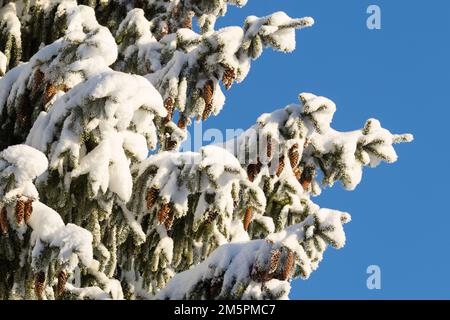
(87, 88)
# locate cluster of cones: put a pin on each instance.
(280, 266)
(22, 212)
(39, 284)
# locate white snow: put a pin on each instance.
(3, 64)
(107, 165)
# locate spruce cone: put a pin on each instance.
(20, 211)
(208, 91)
(38, 79)
(253, 170)
(212, 215)
(269, 147)
(187, 22)
(28, 209)
(169, 220)
(294, 155)
(39, 282)
(168, 104)
(280, 166)
(50, 91)
(163, 212)
(4, 221)
(248, 217)
(152, 195)
(307, 177)
(228, 77)
(274, 261)
(289, 264)
(182, 122)
(305, 183)
(62, 280)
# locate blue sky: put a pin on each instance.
(399, 75)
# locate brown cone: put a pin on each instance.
(182, 122)
(253, 170)
(248, 217)
(274, 261)
(269, 147)
(212, 215)
(187, 22)
(163, 212)
(38, 78)
(4, 221)
(28, 209)
(294, 155)
(168, 104)
(305, 183)
(20, 211)
(306, 178)
(62, 280)
(152, 195)
(39, 281)
(208, 91)
(50, 91)
(281, 165)
(289, 264)
(228, 77)
(169, 220)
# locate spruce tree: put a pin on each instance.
(87, 88)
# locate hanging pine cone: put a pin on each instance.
(307, 177)
(274, 261)
(169, 220)
(4, 221)
(163, 212)
(152, 195)
(294, 155)
(212, 215)
(28, 209)
(280, 167)
(50, 91)
(253, 170)
(39, 284)
(289, 264)
(187, 22)
(20, 211)
(305, 183)
(269, 146)
(182, 121)
(168, 104)
(228, 77)
(62, 280)
(248, 217)
(208, 91)
(38, 78)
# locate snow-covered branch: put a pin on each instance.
(261, 269)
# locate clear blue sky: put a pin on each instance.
(399, 75)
